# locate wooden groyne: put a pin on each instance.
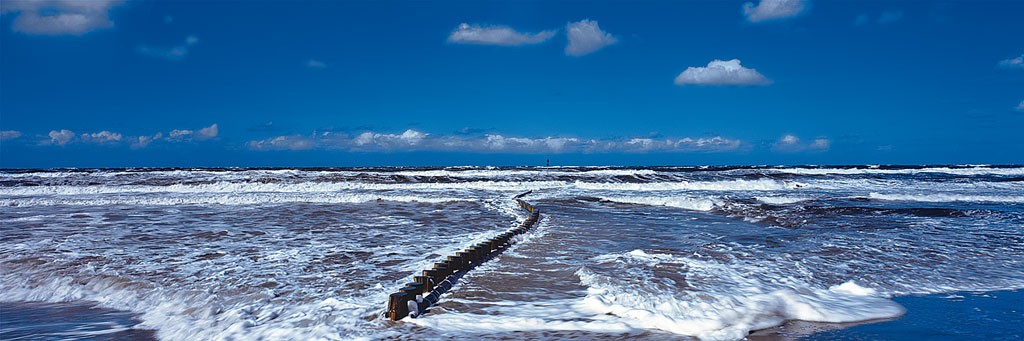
(426, 289)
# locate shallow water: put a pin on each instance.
(710, 253)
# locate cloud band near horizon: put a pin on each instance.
(413, 140)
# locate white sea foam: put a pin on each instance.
(948, 197)
(221, 199)
(254, 187)
(851, 288)
(782, 200)
(722, 302)
(496, 173)
(185, 296)
(689, 203)
(522, 316)
(192, 314)
(715, 297)
(725, 185)
(966, 171)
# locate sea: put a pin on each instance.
(647, 253)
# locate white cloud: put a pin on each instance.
(413, 140)
(372, 140)
(1020, 107)
(59, 17)
(767, 10)
(585, 37)
(179, 134)
(144, 141)
(820, 144)
(315, 64)
(500, 143)
(790, 143)
(207, 133)
(495, 35)
(171, 53)
(102, 137)
(9, 135)
(61, 137)
(716, 143)
(290, 142)
(188, 134)
(1013, 63)
(719, 72)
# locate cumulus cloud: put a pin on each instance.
(179, 134)
(144, 141)
(501, 143)
(791, 143)
(290, 142)
(101, 137)
(372, 140)
(171, 53)
(413, 140)
(719, 72)
(207, 133)
(202, 134)
(585, 37)
(1013, 63)
(59, 17)
(768, 10)
(61, 137)
(315, 64)
(496, 35)
(9, 135)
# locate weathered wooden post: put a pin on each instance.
(455, 263)
(467, 259)
(397, 306)
(427, 283)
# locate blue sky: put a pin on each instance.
(275, 83)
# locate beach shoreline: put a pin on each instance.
(994, 315)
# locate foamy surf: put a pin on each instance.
(948, 197)
(664, 252)
(689, 203)
(717, 313)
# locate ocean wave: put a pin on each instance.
(726, 307)
(724, 185)
(196, 314)
(540, 172)
(222, 199)
(257, 187)
(947, 197)
(966, 171)
(689, 203)
(782, 200)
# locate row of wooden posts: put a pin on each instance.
(425, 290)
